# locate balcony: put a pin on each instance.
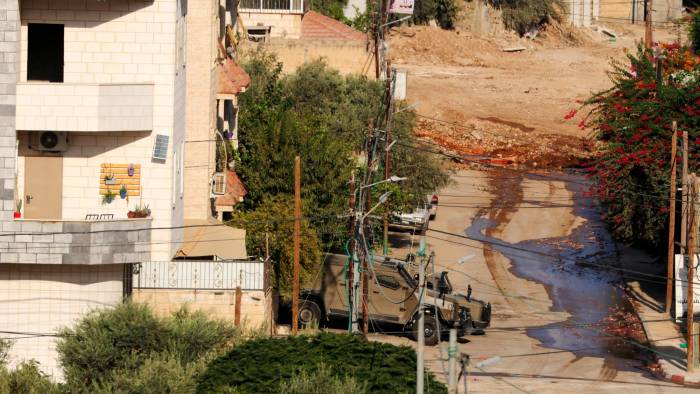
(47, 106)
(272, 6)
(84, 242)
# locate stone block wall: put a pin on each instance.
(9, 74)
(78, 243)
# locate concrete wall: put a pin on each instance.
(80, 243)
(348, 57)
(44, 298)
(9, 68)
(220, 304)
(619, 11)
(284, 25)
(201, 110)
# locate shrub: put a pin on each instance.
(632, 123)
(260, 366)
(5, 346)
(26, 379)
(110, 343)
(321, 380)
(523, 16)
(694, 31)
(444, 12)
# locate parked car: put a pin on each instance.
(414, 221)
(393, 299)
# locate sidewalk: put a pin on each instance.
(664, 336)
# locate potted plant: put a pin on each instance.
(110, 179)
(122, 192)
(139, 211)
(18, 212)
(108, 197)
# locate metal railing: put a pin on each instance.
(272, 5)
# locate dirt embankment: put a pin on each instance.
(476, 98)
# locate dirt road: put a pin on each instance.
(545, 325)
(476, 98)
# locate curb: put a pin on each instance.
(663, 365)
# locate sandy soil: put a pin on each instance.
(503, 104)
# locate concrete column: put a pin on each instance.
(9, 75)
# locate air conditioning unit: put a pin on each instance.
(218, 184)
(51, 141)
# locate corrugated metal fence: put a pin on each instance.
(199, 275)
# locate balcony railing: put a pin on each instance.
(97, 107)
(272, 6)
(75, 241)
(199, 275)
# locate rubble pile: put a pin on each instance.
(499, 142)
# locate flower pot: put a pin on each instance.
(122, 194)
(136, 215)
(130, 171)
(110, 181)
(18, 215)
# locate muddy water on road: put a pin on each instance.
(586, 293)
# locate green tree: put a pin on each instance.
(525, 15)
(125, 337)
(26, 378)
(694, 31)
(272, 219)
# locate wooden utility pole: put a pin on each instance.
(367, 208)
(297, 236)
(693, 229)
(387, 163)
(648, 35)
(671, 223)
(237, 307)
(684, 195)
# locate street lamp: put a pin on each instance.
(393, 179)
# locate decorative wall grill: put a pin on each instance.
(200, 275)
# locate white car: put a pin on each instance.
(416, 220)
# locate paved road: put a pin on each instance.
(542, 346)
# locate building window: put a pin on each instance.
(45, 52)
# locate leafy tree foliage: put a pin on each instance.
(321, 380)
(261, 366)
(632, 122)
(323, 116)
(112, 342)
(444, 12)
(331, 8)
(525, 15)
(26, 378)
(265, 221)
(694, 31)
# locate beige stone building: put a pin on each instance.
(587, 12)
(106, 105)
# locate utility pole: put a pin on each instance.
(648, 35)
(420, 352)
(368, 206)
(387, 136)
(684, 195)
(353, 258)
(452, 362)
(297, 234)
(671, 222)
(691, 270)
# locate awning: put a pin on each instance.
(212, 239)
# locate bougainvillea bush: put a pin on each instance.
(632, 125)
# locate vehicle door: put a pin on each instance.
(388, 296)
(333, 285)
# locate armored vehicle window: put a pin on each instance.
(388, 282)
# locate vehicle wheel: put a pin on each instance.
(309, 314)
(430, 328)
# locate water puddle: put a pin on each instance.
(589, 294)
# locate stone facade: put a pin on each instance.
(81, 243)
(9, 74)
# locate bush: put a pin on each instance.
(694, 31)
(5, 346)
(321, 380)
(632, 123)
(26, 379)
(126, 337)
(444, 12)
(161, 373)
(260, 366)
(523, 16)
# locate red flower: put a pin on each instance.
(582, 124)
(571, 114)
